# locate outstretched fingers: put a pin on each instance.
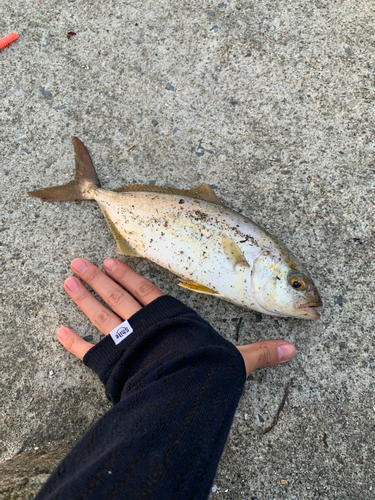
(101, 317)
(119, 300)
(141, 288)
(122, 303)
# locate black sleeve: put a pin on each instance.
(175, 384)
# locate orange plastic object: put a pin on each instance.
(7, 40)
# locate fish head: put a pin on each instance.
(282, 286)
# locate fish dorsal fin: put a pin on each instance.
(196, 287)
(203, 192)
(233, 253)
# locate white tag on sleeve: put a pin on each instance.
(121, 332)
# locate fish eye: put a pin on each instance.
(297, 281)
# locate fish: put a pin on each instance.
(213, 249)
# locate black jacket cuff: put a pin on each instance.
(105, 354)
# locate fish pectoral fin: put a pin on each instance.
(203, 192)
(233, 253)
(196, 287)
(123, 246)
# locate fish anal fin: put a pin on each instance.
(123, 246)
(196, 287)
(233, 253)
(203, 192)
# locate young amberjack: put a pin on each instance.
(211, 248)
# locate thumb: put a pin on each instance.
(266, 353)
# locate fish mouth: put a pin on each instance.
(309, 309)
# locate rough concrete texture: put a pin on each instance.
(270, 102)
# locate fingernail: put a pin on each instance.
(110, 264)
(62, 333)
(286, 352)
(79, 265)
(72, 283)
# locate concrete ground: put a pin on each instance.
(272, 103)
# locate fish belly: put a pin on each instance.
(184, 235)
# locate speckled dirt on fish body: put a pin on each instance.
(213, 249)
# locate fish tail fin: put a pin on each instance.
(81, 187)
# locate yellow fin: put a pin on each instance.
(122, 245)
(196, 287)
(233, 253)
(203, 192)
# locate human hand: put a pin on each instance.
(124, 305)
